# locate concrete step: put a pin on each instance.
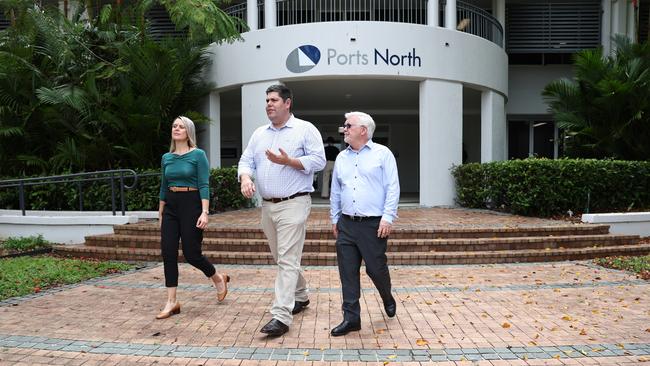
(394, 258)
(401, 232)
(394, 245)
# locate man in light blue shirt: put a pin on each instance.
(363, 206)
(283, 156)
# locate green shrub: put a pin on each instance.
(543, 187)
(24, 244)
(224, 194)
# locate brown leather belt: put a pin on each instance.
(361, 218)
(276, 200)
(183, 189)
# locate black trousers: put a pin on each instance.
(357, 240)
(181, 211)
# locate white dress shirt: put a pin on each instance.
(300, 140)
(365, 183)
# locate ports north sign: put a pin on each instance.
(303, 58)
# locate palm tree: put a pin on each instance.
(79, 93)
(605, 108)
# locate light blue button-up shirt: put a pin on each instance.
(365, 183)
(301, 140)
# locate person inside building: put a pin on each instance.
(331, 152)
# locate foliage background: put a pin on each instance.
(605, 109)
(93, 90)
(543, 187)
(224, 194)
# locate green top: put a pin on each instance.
(188, 170)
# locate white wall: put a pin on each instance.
(526, 84)
(441, 53)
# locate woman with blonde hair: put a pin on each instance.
(183, 211)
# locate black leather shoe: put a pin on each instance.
(275, 328)
(299, 306)
(390, 307)
(345, 328)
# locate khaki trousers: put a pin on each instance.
(285, 225)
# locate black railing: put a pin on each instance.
(78, 178)
(471, 19)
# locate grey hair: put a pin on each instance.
(364, 120)
(189, 129)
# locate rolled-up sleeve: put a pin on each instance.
(314, 158)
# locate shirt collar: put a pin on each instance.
(370, 144)
(290, 123)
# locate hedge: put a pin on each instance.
(543, 187)
(224, 194)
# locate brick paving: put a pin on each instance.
(572, 313)
(562, 313)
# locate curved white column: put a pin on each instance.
(253, 108)
(213, 146)
(493, 127)
(441, 109)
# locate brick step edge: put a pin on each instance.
(394, 245)
(398, 232)
(411, 258)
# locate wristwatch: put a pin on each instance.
(206, 212)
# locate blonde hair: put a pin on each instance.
(189, 129)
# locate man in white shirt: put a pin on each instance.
(363, 206)
(283, 156)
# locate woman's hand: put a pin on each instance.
(202, 222)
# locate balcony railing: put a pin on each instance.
(471, 19)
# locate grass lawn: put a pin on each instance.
(639, 265)
(25, 275)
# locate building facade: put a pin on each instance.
(446, 81)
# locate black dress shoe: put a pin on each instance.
(275, 328)
(390, 307)
(345, 328)
(299, 306)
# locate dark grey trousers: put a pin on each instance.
(357, 240)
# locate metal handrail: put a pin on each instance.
(474, 19)
(78, 178)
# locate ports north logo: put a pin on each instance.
(303, 59)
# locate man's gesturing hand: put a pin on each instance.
(282, 158)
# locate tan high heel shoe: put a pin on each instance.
(222, 295)
(166, 314)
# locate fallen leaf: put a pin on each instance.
(567, 318)
(583, 332)
(391, 357)
(380, 331)
(505, 325)
(421, 342)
